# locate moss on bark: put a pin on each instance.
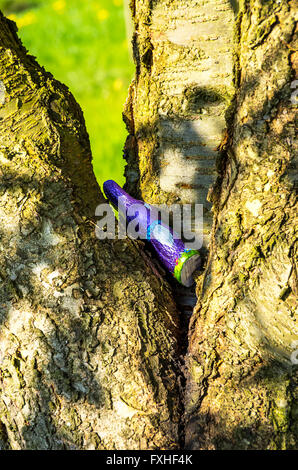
(242, 383)
(89, 336)
(88, 333)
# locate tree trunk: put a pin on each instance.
(201, 67)
(177, 106)
(88, 332)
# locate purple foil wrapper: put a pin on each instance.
(169, 248)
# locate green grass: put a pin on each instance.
(83, 44)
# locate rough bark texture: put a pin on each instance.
(241, 388)
(241, 383)
(88, 333)
(178, 105)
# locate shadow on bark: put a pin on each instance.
(67, 374)
(217, 432)
(265, 244)
(235, 6)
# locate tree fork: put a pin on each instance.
(89, 336)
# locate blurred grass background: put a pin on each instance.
(83, 44)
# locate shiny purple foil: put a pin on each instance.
(166, 243)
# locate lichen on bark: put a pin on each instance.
(235, 61)
(178, 104)
(242, 384)
(88, 333)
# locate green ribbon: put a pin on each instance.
(184, 257)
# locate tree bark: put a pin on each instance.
(177, 107)
(201, 69)
(88, 332)
(242, 384)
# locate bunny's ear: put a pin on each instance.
(114, 192)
